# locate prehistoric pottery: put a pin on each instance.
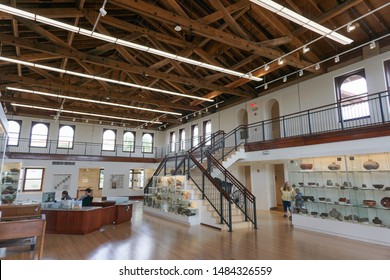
(334, 166)
(370, 165)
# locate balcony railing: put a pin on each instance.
(353, 113)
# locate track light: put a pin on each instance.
(265, 86)
(177, 28)
(351, 27)
(372, 45)
(305, 49)
(336, 59)
(266, 67)
(102, 12)
(280, 61)
(300, 73)
(216, 105)
(317, 67)
(284, 79)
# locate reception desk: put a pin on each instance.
(85, 220)
(73, 221)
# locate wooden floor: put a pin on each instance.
(152, 238)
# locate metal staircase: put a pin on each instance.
(225, 200)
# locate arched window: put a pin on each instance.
(39, 134)
(147, 143)
(173, 141)
(13, 133)
(66, 137)
(352, 95)
(195, 135)
(128, 141)
(182, 135)
(109, 137)
(207, 132)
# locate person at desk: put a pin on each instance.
(65, 196)
(87, 197)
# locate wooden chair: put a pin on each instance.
(14, 231)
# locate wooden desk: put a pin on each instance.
(73, 221)
(12, 210)
(123, 212)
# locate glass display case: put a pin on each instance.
(136, 178)
(170, 196)
(347, 188)
(10, 177)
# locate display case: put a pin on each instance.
(10, 177)
(169, 196)
(352, 189)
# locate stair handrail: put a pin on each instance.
(248, 196)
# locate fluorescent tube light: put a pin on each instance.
(100, 78)
(91, 101)
(301, 20)
(118, 41)
(82, 113)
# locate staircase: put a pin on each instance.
(226, 203)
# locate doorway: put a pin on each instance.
(279, 181)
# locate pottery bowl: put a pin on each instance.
(311, 183)
(378, 186)
(369, 203)
(306, 166)
(321, 198)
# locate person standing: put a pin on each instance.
(65, 195)
(287, 194)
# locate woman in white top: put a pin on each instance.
(287, 194)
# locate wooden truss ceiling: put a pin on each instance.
(237, 35)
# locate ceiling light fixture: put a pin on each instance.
(336, 59)
(317, 67)
(265, 86)
(100, 78)
(284, 79)
(303, 21)
(300, 73)
(305, 49)
(91, 100)
(266, 67)
(372, 45)
(81, 113)
(280, 61)
(177, 28)
(110, 39)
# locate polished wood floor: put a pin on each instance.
(152, 238)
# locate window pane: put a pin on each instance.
(33, 179)
(173, 141)
(101, 178)
(182, 139)
(147, 143)
(39, 134)
(195, 136)
(109, 140)
(128, 142)
(208, 132)
(65, 137)
(354, 98)
(13, 133)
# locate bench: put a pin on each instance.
(19, 230)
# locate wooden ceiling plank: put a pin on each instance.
(161, 15)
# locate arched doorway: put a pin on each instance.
(242, 120)
(275, 114)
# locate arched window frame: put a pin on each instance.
(195, 135)
(14, 128)
(207, 131)
(39, 139)
(182, 139)
(358, 106)
(65, 141)
(128, 145)
(147, 146)
(108, 144)
(172, 141)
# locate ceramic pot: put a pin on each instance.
(306, 166)
(335, 214)
(370, 165)
(377, 221)
(329, 183)
(369, 203)
(385, 202)
(334, 166)
(378, 186)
